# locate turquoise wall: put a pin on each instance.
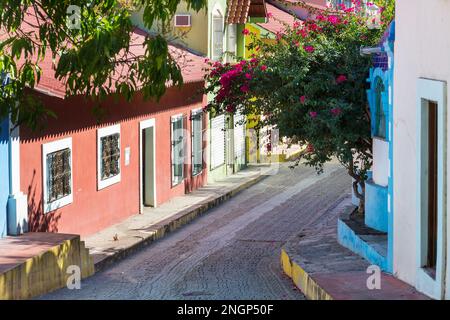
(381, 215)
(376, 214)
(4, 174)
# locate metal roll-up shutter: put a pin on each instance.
(217, 141)
(239, 137)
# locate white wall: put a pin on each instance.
(422, 49)
(380, 162)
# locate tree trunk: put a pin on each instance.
(360, 195)
(359, 181)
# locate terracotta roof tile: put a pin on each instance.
(240, 10)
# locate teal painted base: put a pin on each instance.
(376, 206)
(373, 248)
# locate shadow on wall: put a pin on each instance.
(38, 221)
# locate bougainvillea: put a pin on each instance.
(310, 82)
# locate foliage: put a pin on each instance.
(310, 84)
(85, 57)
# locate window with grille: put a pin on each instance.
(197, 142)
(178, 154)
(58, 175)
(380, 116)
(108, 156)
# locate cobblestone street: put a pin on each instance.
(233, 252)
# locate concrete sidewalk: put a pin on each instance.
(324, 270)
(118, 241)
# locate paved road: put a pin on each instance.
(232, 252)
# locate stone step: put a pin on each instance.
(37, 263)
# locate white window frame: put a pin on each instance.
(172, 174)
(193, 114)
(103, 132)
(181, 25)
(216, 15)
(431, 90)
(48, 148)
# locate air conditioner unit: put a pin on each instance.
(182, 20)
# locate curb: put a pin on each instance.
(302, 279)
(165, 227)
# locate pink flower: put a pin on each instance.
(245, 88)
(320, 17)
(336, 111)
(297, 24)
(248, 76)
(341, 78)
(245, 32)
(333, 20)
(229, 109)
(302, 99)
(313, 114)
(303, 33)
(263, 68)
(309, 49)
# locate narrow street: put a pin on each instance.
(232, 252)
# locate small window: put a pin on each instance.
(178, 154)
(218, 25)
(380, 116)
(57, 174)
(182, 20)
(197, 142)
(108, 156)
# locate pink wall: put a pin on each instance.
(94, 210)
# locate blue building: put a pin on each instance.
(373, 237)
(4, 175)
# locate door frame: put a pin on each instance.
(143, 125)
(431, 90)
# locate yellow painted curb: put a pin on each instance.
(45, 272)
(302, 280)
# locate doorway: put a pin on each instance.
(432, 188)
(147, 164)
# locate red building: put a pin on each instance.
(82, 175)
